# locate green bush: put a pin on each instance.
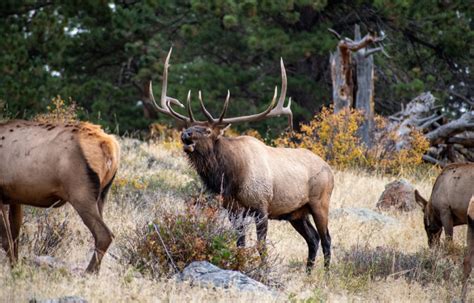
(199, 233)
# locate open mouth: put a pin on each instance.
(188, 145)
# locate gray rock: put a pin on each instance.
(206, 274)
(363, 215)
(399, 195)
(67, 299)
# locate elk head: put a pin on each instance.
(433, 228)
(202, 134)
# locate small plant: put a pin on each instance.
(426, 266)
(2, 110)
(50, 230)
(59, 111)
(200, 233)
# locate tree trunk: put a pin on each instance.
(364, 100)
(352, 73)
(341, 74)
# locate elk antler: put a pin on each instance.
(165, 100)
(270, 111)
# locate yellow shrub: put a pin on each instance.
(59, 112)
(330, 136)
(334, 137)
(168, 136)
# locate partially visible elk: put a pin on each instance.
(263, 181)
(469, 258)
(47, 164)
(449, 201)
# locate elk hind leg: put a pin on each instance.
(103, 196)
(304, 227)
(88, 210)
(320, 211)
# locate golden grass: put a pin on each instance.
(155, 176)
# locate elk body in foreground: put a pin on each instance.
(253, 178)
(469, 258)
(45, 165)
(449, 201)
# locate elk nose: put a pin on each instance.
(186, 135)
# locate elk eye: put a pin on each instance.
(208, 131)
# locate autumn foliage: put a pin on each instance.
(201, 232)
(334, 137)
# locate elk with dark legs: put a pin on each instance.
(256, 179)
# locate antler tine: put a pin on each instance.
(204, 110)
(226, 105)
(284, 80)
(165, 100)
(280, 109)
(190, 111)
(256, 117)
(164, 87)
(270, 111)
(174, 114)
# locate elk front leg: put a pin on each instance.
(447, 222)
(238, 221)
(261, 221)
(16, 219)
(5, 233)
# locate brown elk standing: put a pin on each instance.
(449, 201)
(469, 258)
(47, 164)
(265, 182)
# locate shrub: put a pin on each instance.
(199, 233)
(49, 231)
(334, 137)
(59, 112)
(425, 266)
(168, 136)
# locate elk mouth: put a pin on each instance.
(188, 145)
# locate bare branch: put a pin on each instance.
(338, 36)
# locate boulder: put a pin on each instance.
(399, 195)
(362, 214)
(206, 274)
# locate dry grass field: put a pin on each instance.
(372, 261)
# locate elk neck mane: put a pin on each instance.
(220, 165)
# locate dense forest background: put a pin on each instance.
(102, 53)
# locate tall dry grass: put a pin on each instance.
(368, 257)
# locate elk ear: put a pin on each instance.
(420, 200)
(223, 130)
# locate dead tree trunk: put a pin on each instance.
(352, 73)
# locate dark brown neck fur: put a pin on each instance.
(219, 165)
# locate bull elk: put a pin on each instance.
(449, 201)
(253, 178)
(47, 164)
